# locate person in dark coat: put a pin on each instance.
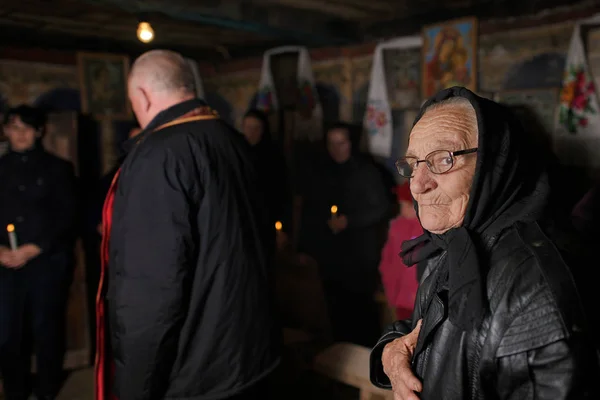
(270, 165)
(347, 243)
(187, 279)
(37, 199)
(497, 315)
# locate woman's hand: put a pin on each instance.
(5, 256)
(18, 258)
(337, 223)
(396, 359)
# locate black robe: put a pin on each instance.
(190, 300)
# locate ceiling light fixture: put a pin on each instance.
(145, 33)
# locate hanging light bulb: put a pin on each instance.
(145, 33)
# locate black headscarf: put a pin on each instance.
(266, 142)
(509, 185)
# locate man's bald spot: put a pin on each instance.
(163, 71)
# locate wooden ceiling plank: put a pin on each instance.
(370, 6)
(320, 6)
(85, 28)
(124, 38)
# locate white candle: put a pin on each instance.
(12, 237)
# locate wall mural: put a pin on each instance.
(331, 78)
(361, 74)
(515, 59)
(543, 104)
(403, 77)
(103, 84)
(23, 82)
(593, 46)
(234, 92)
(541, 71)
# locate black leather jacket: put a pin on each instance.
(534, 342)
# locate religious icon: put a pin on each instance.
(449, 56)
(103, 82)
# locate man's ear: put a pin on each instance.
(145, 99)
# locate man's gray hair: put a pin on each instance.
(164, 70)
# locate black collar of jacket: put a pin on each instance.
(162, 118)
(35, 150)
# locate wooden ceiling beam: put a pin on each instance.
(166, 30)
(371, 6)
(320, 6)
(166, 38)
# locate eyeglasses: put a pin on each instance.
(438, 162)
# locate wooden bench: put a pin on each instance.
(349, 363)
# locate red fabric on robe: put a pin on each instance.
(104, 364)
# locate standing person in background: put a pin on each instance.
(186, 281)
(270, 167)
(346, 243)
(37, 197)
(399, 281)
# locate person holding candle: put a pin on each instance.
(271, 169)
(37, 213)
(345, 210)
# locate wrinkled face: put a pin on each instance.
(443, 199)
(338, 145)
(20, 135)
(252, 128)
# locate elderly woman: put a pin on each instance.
(497, 315)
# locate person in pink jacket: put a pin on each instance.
(399, 281)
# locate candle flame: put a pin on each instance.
(334, 209)
(278, 225)
(10, 228)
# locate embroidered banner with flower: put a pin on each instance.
(264, 101)
(306, 95)
(376, 118)
(577, 133)
(575, 99)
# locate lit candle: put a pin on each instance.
(278, 226)
(12, 237)
(334, 210)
